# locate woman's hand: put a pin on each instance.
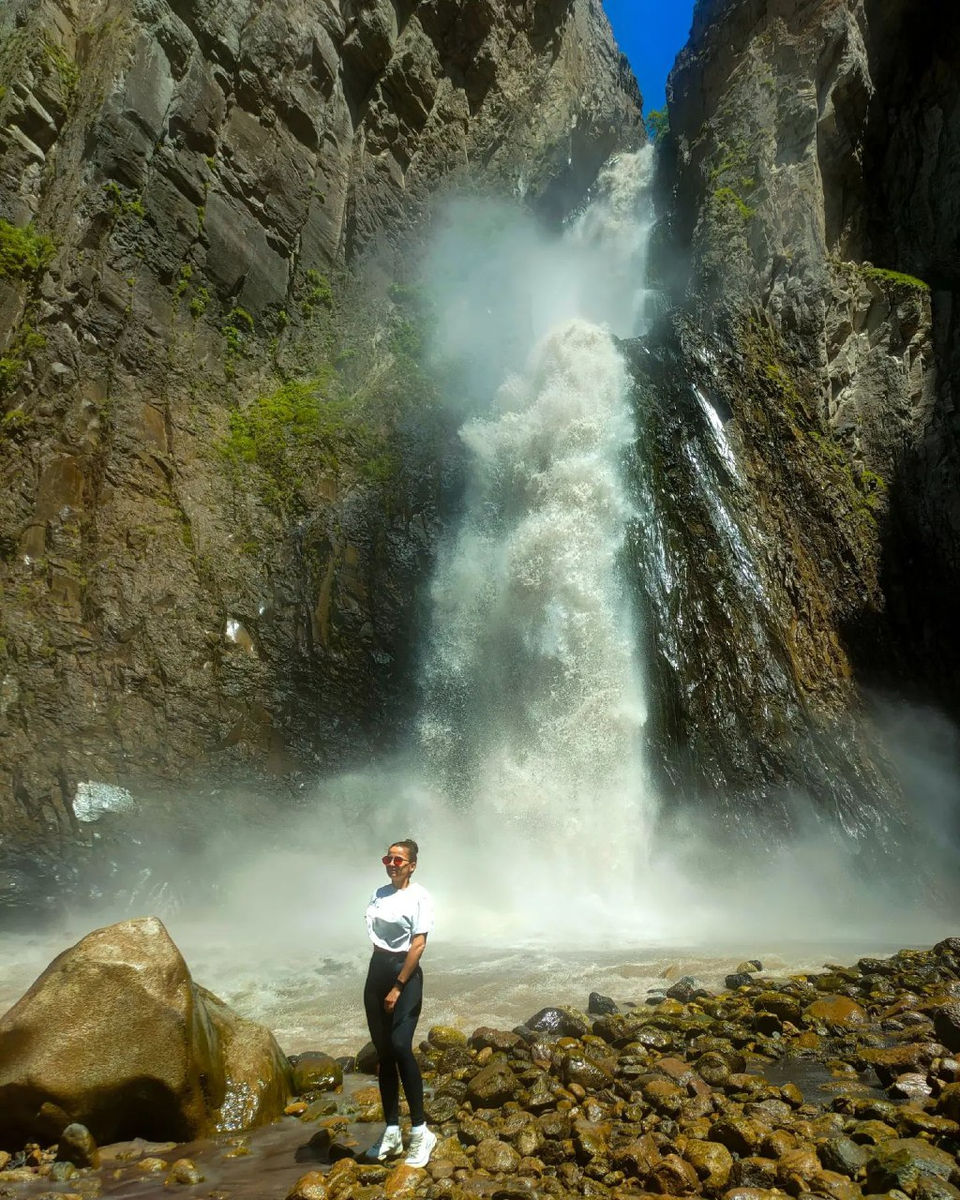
(391, 999)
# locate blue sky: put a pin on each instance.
(650, 33)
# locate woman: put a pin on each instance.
(399, 917)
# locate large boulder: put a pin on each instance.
(116, 1035)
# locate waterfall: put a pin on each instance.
(535, 705)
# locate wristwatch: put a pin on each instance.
(400, 983)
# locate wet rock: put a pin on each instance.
(903, 1162)
(749, 965)
(753, 1171)
(911, 1085)
(836, 1013)
(842, 1155)
(598, 1005)
(61, 1171)
(151, 1165)
(77, 1145)
(891, 1061)
(184, 1171)
(737, 979)
(577, 1068)
(441, 1108)
(563, 1022)
(492, 1086)
(739, 1134)
(150, 1053)
(673, 1176)
(486, 1038)
(684, 990)
(499, 1158)
(368, 1059)
(932, 1188)
(446, 1037)
(948, 1102)
(403, 1180)
(747, 1193)
(712, 1161)
(316, 1072)
(946, 1024)
(311, 1186)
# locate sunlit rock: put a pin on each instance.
(116, 1035)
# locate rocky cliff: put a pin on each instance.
(812, 244)
(221, 465)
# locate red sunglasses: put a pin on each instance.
(393, 860)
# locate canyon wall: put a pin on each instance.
(221, 462)
(811, 242)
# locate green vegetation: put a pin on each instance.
(658, 124)
(23, 251)
(14, 424)
(319, 292)
(183, 281)
(67, 70)
(26, 342)
(122, 202)
(894, 278)
(726, 196)
(279, 433)
(198, 305)
(237, 328)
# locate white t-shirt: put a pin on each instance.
(394, 915)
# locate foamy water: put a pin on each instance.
(313, 1001)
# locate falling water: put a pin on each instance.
(535, 706)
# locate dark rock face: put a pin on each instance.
(198, 567)
(812, 219)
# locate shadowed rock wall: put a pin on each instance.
(810, 233)
(201, 565)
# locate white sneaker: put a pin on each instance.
(388, 1145)
(422, 1142)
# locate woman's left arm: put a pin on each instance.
(417, 946)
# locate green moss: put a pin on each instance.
(123, 203)
(15, 424)
(894, 278)
(25, 343)
(67, 70)
(319, 292)
(274, 434)
(23, 251)
(726, 197)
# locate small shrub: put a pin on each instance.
(198, 305)
(23, 251)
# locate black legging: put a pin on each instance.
(392, 1034)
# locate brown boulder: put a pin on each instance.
(116, 1035)
(316, 1072)
(891, 1061)
(671, 1176)
(492, 1086)
(836, 1013)
(311, 1186)
(712, 1162)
